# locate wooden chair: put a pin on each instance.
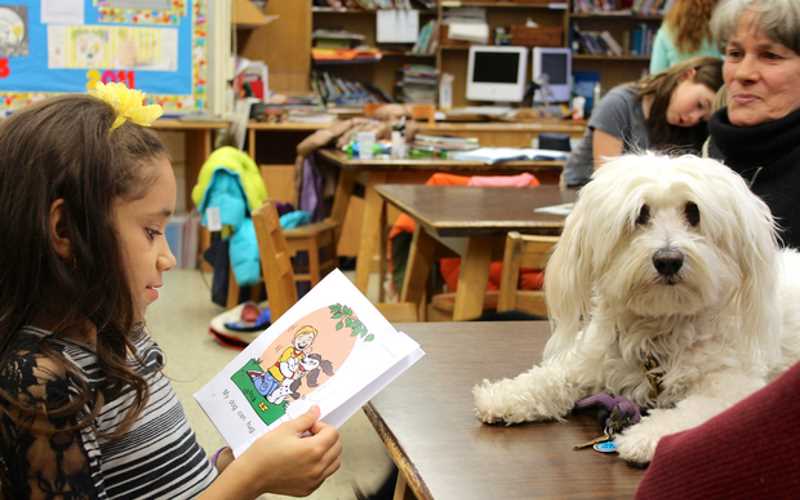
(521, 251)
(275, 252)
(317, 240)
(529, 251)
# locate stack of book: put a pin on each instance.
(651, 7)
(336, 39)
(467, 24)
(595, 42)
(641, 39)
(441, 146)
(337, 91)
(427, 40)
(622, 7)
(416, 83)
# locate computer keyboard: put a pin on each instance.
(480, 110)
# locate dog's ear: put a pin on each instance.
(568, 279)
(754, 244)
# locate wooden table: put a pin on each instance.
(425, 418)
(379, 171)
(198, 143)
(506, 134)
(473, 222)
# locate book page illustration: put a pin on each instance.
(332, 349)
(301, 359)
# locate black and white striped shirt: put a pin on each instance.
(159, 456)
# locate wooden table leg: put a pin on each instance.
(198, 148)
(401, 489)
(370, 230)
(472, 280)
(341, 199)
(418, 267)
(197, 144)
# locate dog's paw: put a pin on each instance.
(637, 444)
(491, 405)
(505, 401)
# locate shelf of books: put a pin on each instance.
(615, 32)
(389, 34)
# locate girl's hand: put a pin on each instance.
(295, 458)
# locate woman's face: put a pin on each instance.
(690, 103)
(762, 76)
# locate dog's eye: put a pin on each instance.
(692, 213)
(644, 215)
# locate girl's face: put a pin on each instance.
(690, 103)
(762, 77)
(140, 226)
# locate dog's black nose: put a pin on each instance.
(668, 261)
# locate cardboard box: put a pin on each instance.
(540, 36)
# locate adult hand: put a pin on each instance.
(295, 458)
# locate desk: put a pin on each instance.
(379, 171)
(198, 144)
(425, 418)
(505, 134)
(473, 222)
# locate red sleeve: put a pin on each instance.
(748, 451)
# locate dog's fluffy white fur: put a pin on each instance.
(719, 328)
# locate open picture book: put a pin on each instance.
(333, 349)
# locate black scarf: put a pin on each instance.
(767, 156)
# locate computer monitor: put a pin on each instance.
(556, 64)
(496, 73)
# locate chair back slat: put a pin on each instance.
(523, 251)
(276, 264)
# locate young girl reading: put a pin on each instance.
(667, 111)
(85, 410)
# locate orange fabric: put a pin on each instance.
(529, 279)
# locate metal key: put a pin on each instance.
(598, 439)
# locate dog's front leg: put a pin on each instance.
(712, 395)
(544, 392)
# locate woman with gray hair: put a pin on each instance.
(757, 133)
(749, 450)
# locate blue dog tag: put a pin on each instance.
(605, 447)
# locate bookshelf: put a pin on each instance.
(381, 73)
(451, 56)
(631, 29)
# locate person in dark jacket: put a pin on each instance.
(757, 133)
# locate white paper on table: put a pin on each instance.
(562, 209)
(62, 12)
(397, 26)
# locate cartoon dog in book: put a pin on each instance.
(668, 288)
(285, 368)
(310, 367)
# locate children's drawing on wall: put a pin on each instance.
(13, 30)
(118, 47)
(300, 360)
(90, 48)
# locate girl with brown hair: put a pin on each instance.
(684, 34)
(86, 191)
(664, 112)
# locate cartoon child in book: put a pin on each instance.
(310, 366)
(287, 364)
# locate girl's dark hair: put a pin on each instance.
(64, 148)
(664, 136)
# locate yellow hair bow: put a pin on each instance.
(127, 103)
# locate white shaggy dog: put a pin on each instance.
(666, 287)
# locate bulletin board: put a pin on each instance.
(64, 46)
